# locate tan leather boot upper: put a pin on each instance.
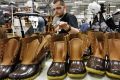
(97, 43)
(11, 48)
(33, 48)
(76, 46)
(59, 48)
(114, 46)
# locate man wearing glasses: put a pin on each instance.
(64, 22)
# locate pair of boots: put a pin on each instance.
(96, 62)
(61, 49)
(106, 56)
(30, 54)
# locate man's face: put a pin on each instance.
(58, 9)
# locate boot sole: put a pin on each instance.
(112, 75)
(56, 77)
(76, 75)
(32, 77)
(95, 71)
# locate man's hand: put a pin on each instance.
(62, 25)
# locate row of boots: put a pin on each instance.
(22, 58)
(67, 52)
(106, 54)
(67, 55)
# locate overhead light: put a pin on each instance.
(101, 1)
(67, 1)
(112, 6)
(78, 2)
(75, 7)
(118, 9)
(111, 11)
(72, 10)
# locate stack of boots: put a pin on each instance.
(76, 65)
(113, 69)
(96, 62)
(9, 51)
(57, 69)
(31, 57)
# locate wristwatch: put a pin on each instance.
(68, 29)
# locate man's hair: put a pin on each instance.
(61, 2)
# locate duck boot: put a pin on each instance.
(31, 56)
(113, 69)
(57, 69)
(76, 68)
(96, 62)
(87, 52)
(10, 48)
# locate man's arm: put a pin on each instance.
(69, 24)
(73, 30)
(68, 28)
(72, 22)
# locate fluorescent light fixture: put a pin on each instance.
(111, 11)
(101, 1)
(118, 9)
(72, 10)
(112, 6)
(78, 2)
(75, 2)
(67, 1)
(75, 7)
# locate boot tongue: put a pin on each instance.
(59, 37)
(76, 49)
(60, 52)
(78, 43)
(58, 47)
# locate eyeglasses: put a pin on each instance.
(57, 8)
